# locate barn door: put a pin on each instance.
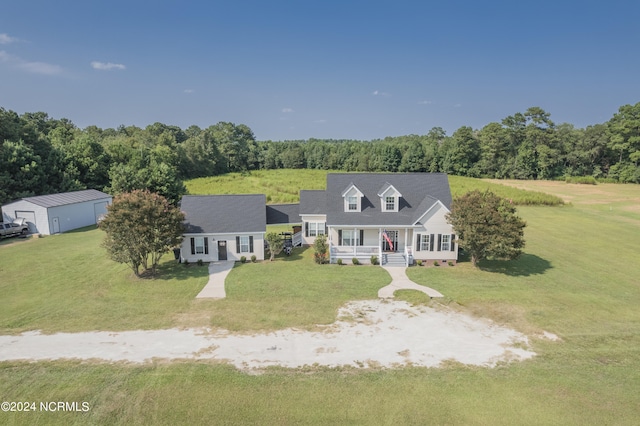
(56, 225)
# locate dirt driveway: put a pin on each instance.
(367, 333)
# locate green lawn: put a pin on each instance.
(578, 279)
(67, 283)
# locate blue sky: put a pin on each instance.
(319, 69)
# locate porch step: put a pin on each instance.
(393, 259)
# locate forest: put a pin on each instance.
(42, 155)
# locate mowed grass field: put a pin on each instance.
(579, 278)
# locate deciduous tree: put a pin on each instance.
(487, 226)
(275, 244)
(140, 228)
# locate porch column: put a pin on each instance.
(330, 244)
(406, 247)
(355, 232)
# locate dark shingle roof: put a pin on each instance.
(62, 199)
(283, 213)
(419, 192)
(313, 201)
(224, 213)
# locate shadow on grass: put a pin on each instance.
(524, 266)
(179, 271)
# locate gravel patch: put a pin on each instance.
(367, 333)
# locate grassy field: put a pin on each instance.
(578, 279)
(283, 186)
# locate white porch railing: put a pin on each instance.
(354, 250)
(407, 253)
(296, 240)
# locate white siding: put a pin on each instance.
(435, 223)
(307, 219)
(212, 256)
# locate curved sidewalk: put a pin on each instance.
(214, 289)
(400, 281)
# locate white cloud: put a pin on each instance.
(320, 121)
(189, 90)
(7, 39)
(287, 110)
(457, 105)
(379, 93)
(31, 67)
(106, 66)
(425, 102)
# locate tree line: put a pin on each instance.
(42, 155)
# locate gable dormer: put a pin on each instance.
(352, 197)
(389, 198)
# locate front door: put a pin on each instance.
(56, 226)
(222, 250)
(390, 243)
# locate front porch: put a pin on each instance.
(390, 246)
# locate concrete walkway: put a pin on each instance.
(214, 289)
(400, 281)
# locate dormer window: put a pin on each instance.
(352, 199)
(389, 198)
(390, 203)
(352, 203)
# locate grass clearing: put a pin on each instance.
(284, 185)
(577, 279)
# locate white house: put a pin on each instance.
(397, 217)
(223, 227)
(55, 213)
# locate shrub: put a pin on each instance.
(253, 258)
(199, 262)
(243, 259)
(436, 263)
(355, 261)
(374, 260)
(585, 180)
(419, 262)
(339, 261)
(450, 263)
(320, 248)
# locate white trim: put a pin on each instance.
(352, 186)
(397, 193)
(429, 209)
(224, 233)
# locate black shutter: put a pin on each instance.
(418, 243)
(193, 245)
(453, 238)
(237, 244)
(339, 237)
(250, 244)
(206, 245)
(326, 229)
(431, 241)
(439, 242)
(362, 237)
(306, 229)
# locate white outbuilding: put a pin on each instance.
(56, 213)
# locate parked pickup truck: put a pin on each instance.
(17, 227)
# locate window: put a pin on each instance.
(390, 204)
(316, 228)
(424, 242)
(244, 244)
(348, 238)
(199, 241)
(445, 242)
(352, 203)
